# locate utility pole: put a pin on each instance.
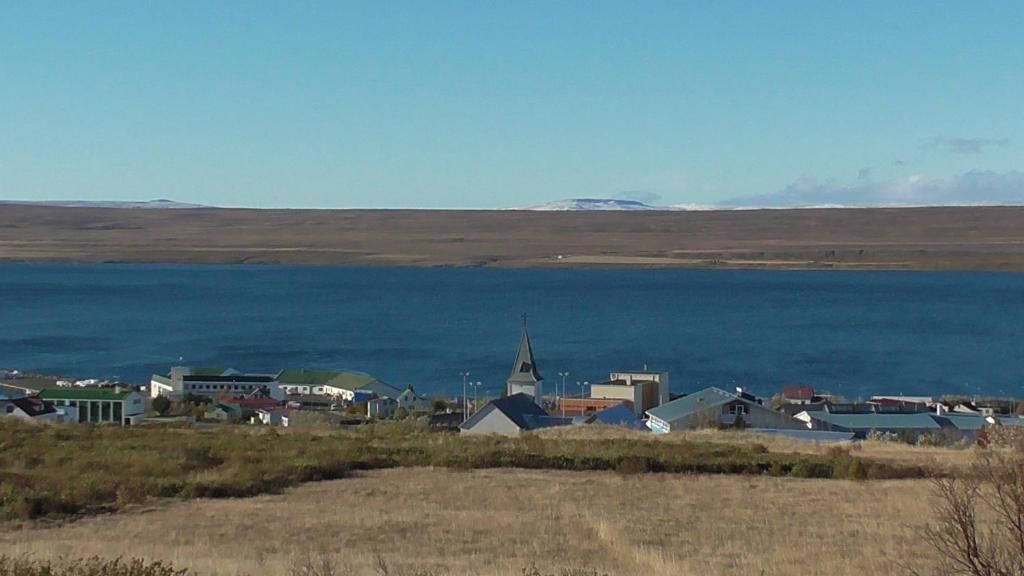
(465, 401)
(557, 397)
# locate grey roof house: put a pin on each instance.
(716, 407)
(510, 416)
(861, 424)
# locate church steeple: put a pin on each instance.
(525, 377)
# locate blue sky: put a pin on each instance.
(497, 104)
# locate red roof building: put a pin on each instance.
(797, 394)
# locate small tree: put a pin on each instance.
(738, 422)
(969, 546)
(439, 405)
(161, 405)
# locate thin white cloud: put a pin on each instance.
(968, 145)
(971, 188)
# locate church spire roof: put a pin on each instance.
(524, 371)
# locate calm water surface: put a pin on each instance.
(854, 333)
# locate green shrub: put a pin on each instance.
(634, 465)
(161, 405)
(807, 468)
(738, 423)
(856, 470)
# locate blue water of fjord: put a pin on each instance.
(853, 333)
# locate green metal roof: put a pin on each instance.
(879, 421)
(160, 379)
(347, 380)
(693, 403)
(408, 395)
(380, 388)
(82, 394)
(208, 371)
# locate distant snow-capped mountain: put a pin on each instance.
(586, 204)
(150, 204)
(583, 204)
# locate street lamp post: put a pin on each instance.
(465, 401)
(583, 387)
(476, 386)
(557, 397)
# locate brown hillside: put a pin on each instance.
(963, 238)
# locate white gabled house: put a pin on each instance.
(29, 409)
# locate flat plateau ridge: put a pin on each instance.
(939, 238)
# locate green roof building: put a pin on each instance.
(98, 405)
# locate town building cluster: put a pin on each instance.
(643, 400)
(638, 400)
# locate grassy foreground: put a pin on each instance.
(62, 470)
(499, 522)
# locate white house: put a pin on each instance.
(212, 383)
(381, 407)
(348, 391)
(411, 401)
(29, 409)
(272, 416)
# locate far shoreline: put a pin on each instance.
(948, 239)
(725, 267)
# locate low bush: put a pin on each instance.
(80, 468)
(634, 465)
(25, 566)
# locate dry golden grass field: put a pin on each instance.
(937, 460)
(948, 238)
(486, 522)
